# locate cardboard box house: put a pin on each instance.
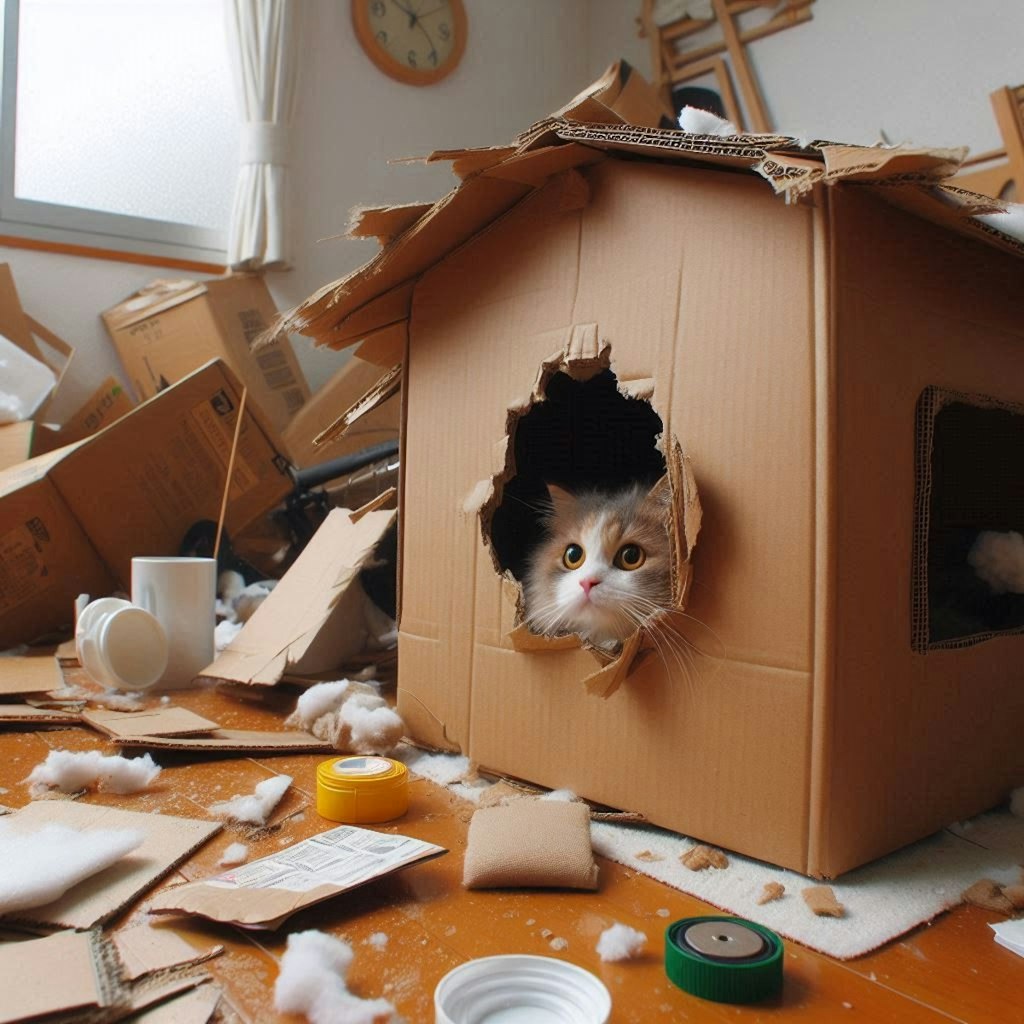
(170, 328)
(826, 342)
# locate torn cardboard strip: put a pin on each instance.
(388, 386)
(234, 741)
(145, 949)
(168, 841)
(26, 714)
(60, 974)
(313, 620)
(266, 892)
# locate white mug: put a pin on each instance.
(181, 594)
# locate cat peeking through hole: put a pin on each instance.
(602, 568)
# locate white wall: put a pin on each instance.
(919, 69)
(523, 60)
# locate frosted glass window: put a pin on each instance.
(127, 107)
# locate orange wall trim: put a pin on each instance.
(196, 266)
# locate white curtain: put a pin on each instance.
(263, 47)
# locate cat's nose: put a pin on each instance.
(587, 584)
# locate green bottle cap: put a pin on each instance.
(724, 959)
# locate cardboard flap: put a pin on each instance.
(467, 162)
(386, 346)
(156, 297)
(313, 619)
(522, 639)
(605, 681)
(685, 520)
(162, 721)
(384, 222)
(536, 166)
(388, 386)
(382, 311)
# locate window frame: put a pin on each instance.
(75, 228)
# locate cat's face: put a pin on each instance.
(603, 567)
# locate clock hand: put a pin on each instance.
(427, 14)
(406, 10)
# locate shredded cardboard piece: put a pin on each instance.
(620, 942)
(161, 721)
(71, 771)
(66, 972)
(351, 715)
(147, 950)
(41, 866)
(167, 841)
(233, 855)
(648, 856)
(26, 714)
(254, 808)
(822, 901)
(196, 1006)
(30, 673)
(266, 892)
(701, 857)
(989, 895)
(312, 982)
(235, 741)
(1015, 894)
(772, 891)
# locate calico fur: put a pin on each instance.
(558, 599)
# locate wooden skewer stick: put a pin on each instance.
(231, 469)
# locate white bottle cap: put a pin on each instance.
(121, 645)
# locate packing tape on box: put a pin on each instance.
(724, 959)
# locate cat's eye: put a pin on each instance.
(630, 556)
(573, 556)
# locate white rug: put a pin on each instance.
(882, 900)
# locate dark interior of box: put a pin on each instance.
(585, 435)
(977, 467)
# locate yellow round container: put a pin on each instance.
(361, 789)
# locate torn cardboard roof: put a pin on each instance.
(313, 620)
(619, 116)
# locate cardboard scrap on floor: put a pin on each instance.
(266, 892)
(193, 1007)
(167, 841)
(61, 973)
(26, 714)
(35, 672)
(162, 721)
(234, 741)
(145, 949)
(313, 621)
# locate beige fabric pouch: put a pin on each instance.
(541, 843)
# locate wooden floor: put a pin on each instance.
(951, 970)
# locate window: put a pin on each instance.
(119, 125)
(968, 548)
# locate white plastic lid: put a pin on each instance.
(120, 644)
(520, 989)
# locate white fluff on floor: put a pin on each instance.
(312, 982)
(703, 122)
(236, 853)
(998, 559)
(38, 868)
(224, 633)
(620, 942)
(71, 771)
(350, 715)
(254, 808)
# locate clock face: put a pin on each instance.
(415, 41)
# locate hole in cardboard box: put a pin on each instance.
(583, 434)
(969, 552)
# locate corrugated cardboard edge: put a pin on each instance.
(33, 673)
(26, 714)
(234, 741)
(176, 721)
(387, 387)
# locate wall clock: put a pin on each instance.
(418, 42)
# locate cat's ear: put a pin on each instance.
(561, 500)
(661, 493)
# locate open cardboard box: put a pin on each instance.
(71, 520)
(827, 333)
